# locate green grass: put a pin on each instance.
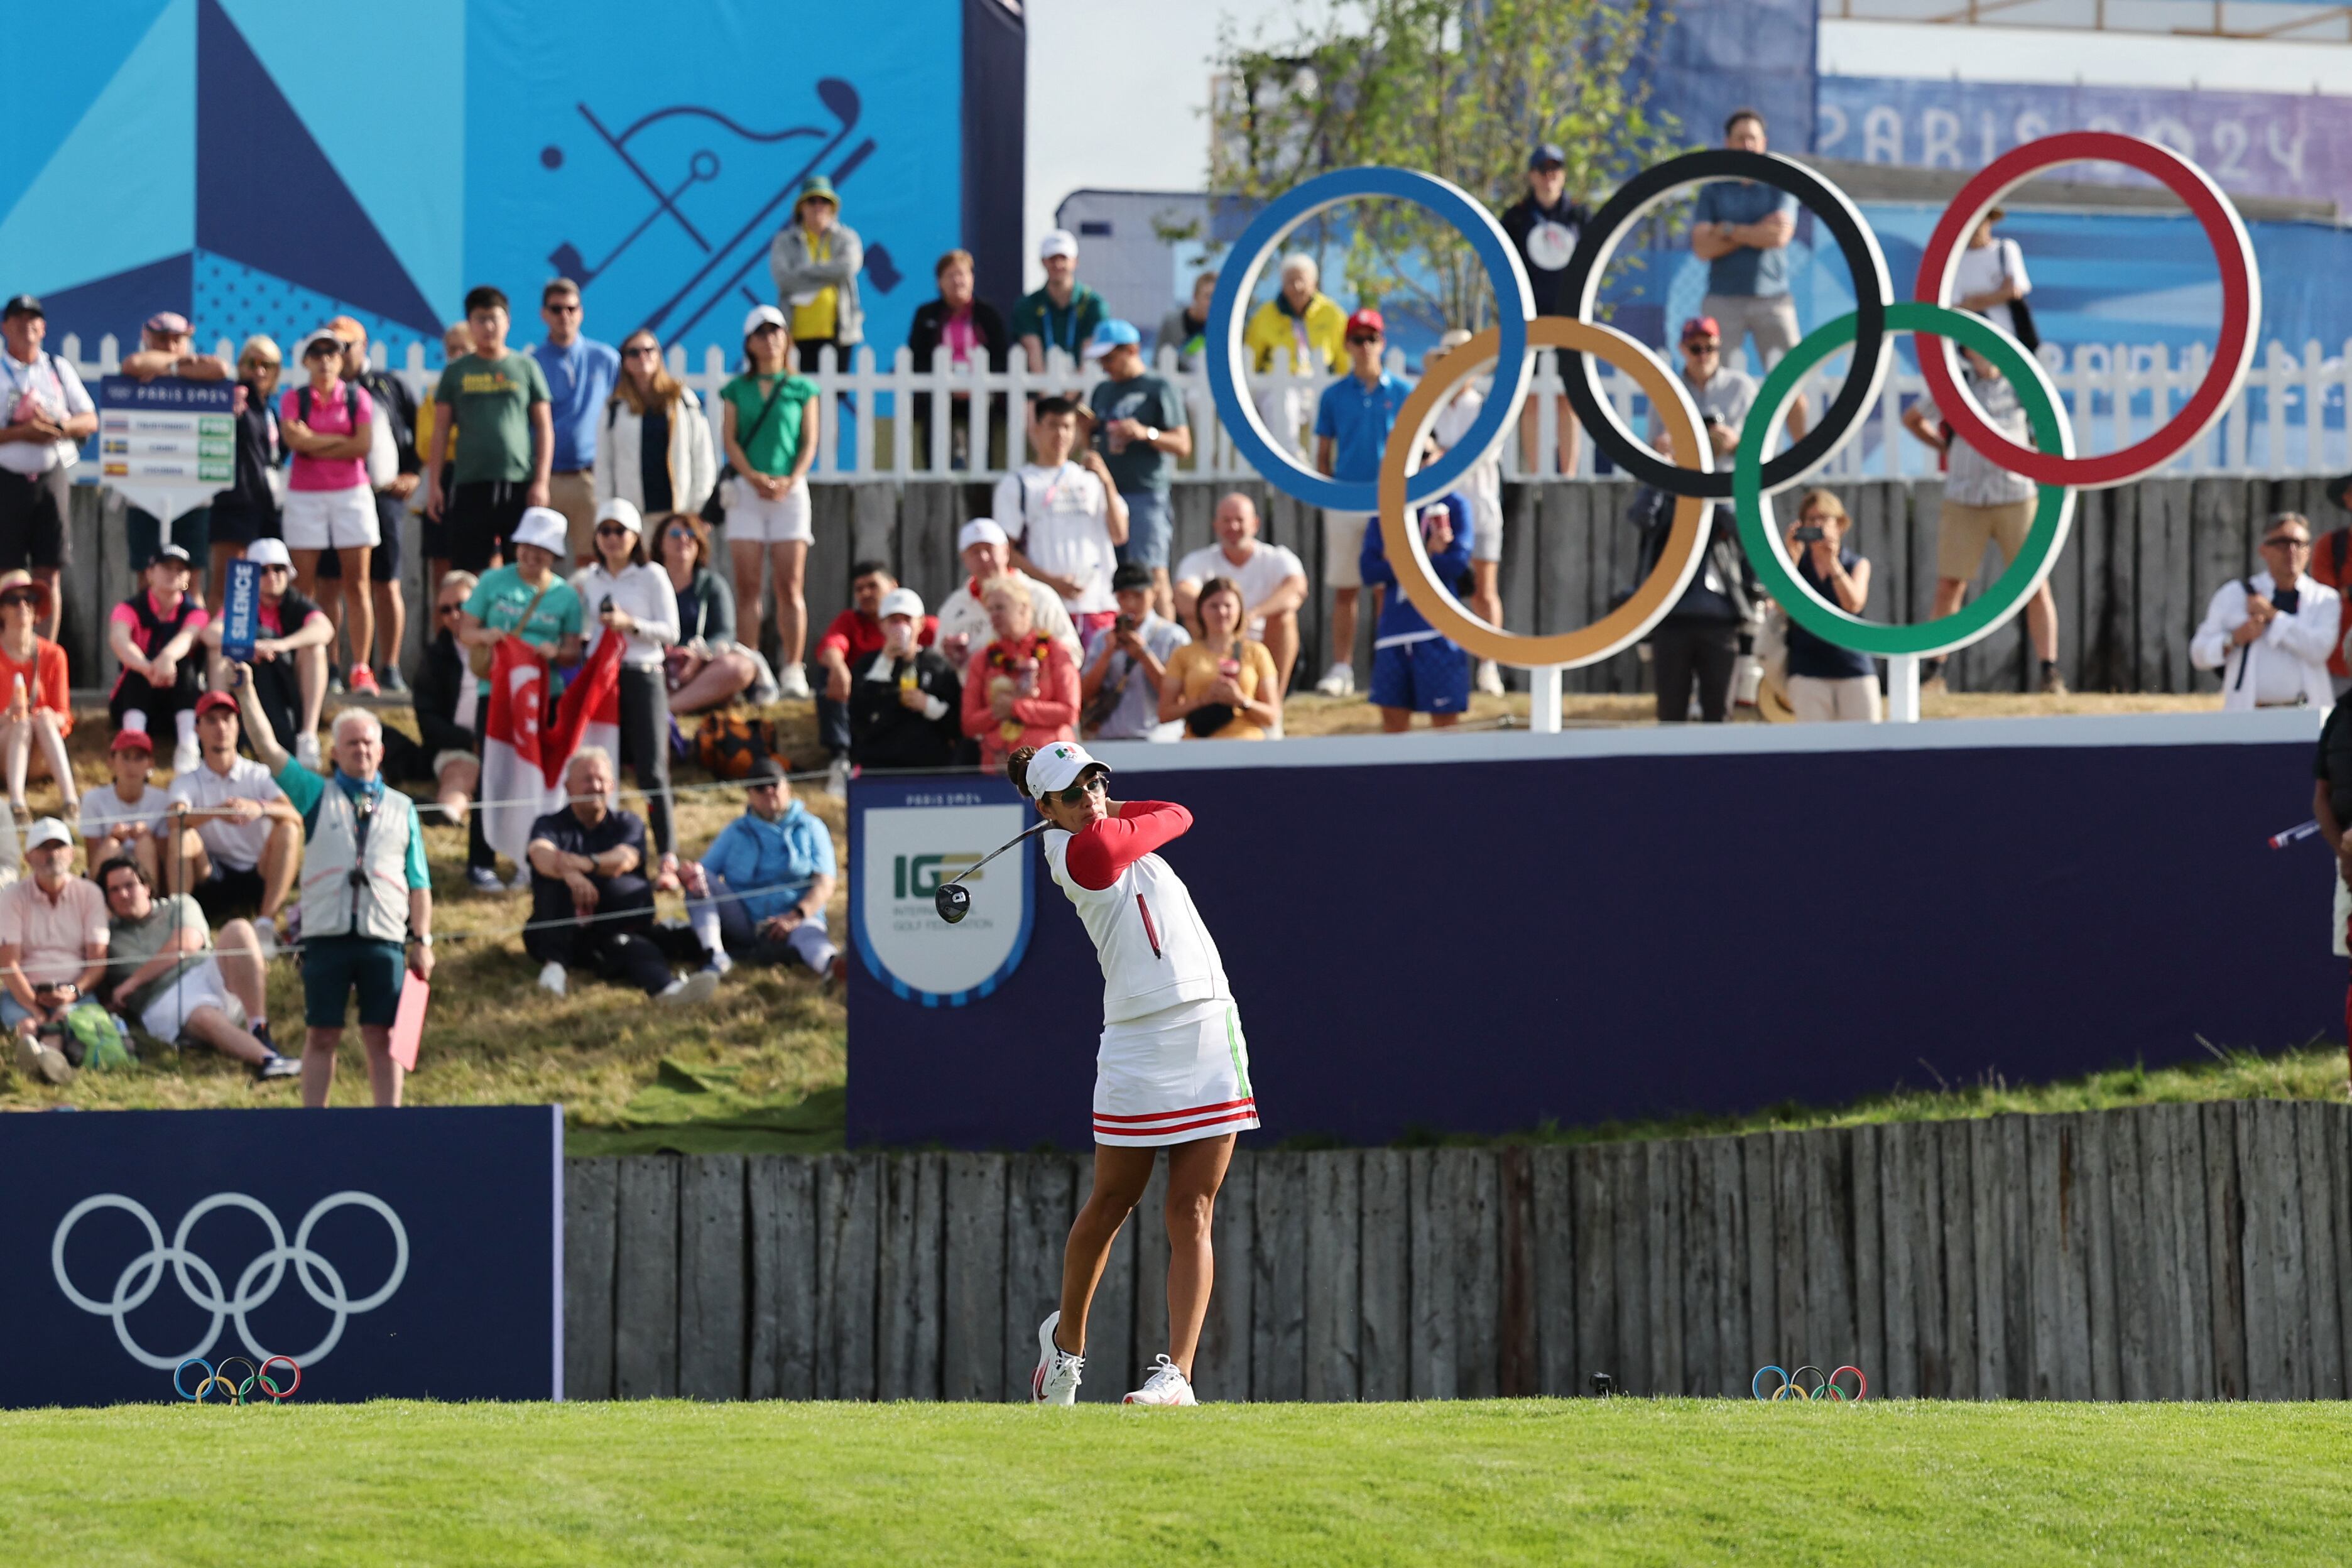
(1625, 1481)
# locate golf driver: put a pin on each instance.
(954, 902)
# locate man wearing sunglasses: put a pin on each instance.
(760, 893)
(289, 651)
(2270, 634)
(580, 374)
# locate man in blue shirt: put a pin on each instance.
(580, 376)
(1416, 669)
(760, 893)
(1741, 229)
(1351, 431)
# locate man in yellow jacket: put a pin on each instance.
(1308, 326)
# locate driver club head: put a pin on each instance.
(953, 901)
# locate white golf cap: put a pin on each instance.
(623, 510)
(1057, 242)
(980, 530)
(1057, 766)
(47, 830)
(317, 335)
(268, 553)
(901, 602)
(765, 316)
(543, 526)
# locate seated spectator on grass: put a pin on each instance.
(1826, 681)
(1022, 689)
(1065, 519)
(987, 555)
(706, 666)
(1126, 663)
(126, 817)
(758, 895)
(1416, 669)
(1272, 579)
(591, 905)
(1222, 686)
(168, 976)
(36, 709)
(849, 644)
(291, 634)
(366, 901)
(153, 633)
(445, 691)
(906, 699)
(53, 938)
(231, 836)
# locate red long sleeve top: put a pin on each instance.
(1100, 855)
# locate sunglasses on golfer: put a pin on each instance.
(1093, 783)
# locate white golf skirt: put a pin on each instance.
(1172, 1076)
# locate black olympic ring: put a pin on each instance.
(1854, 240)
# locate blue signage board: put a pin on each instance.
(416, 1253)
(240, 599)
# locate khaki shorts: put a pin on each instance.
(1770, 319)
(1343, 548)
(1961, 532)
(574, 495)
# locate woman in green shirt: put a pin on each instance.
(772, 422)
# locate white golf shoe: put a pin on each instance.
(1339, 680)
(1056, 1381)
(1166, 1385)
(1490, 678)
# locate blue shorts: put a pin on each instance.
(1431, 676)
(332, 966)
(1151, 524)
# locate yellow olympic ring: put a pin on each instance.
(1621, 628)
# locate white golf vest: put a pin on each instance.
(332, 904)
(1156, 953)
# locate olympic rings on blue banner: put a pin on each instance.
(1873, 294)
(1515, 302)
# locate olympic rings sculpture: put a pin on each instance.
(141, 1276)
(1826, 1389)
(234, 1392)
(1869, 329)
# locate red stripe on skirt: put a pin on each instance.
(1188, 1111)
(1178, 1127)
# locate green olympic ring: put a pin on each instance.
(2052, 514)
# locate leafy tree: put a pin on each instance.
(1460, 88)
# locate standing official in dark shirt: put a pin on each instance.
(1545, 224)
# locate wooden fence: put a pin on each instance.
(2171, 1252)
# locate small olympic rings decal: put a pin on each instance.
(1825, 1387)
(228, 1387)
(182, 1388)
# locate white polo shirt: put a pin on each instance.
(1060, 519)
(1265, 571)
(236, 846)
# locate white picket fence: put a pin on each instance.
(2288, 419)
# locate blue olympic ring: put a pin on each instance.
(1234, 284)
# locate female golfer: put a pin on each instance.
(1172, 1070)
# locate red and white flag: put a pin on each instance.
(525, 748)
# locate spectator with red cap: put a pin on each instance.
(852, 640)
(1724, 395)
(1351, 430)
(126, 817)
(153, 635)
(34, 709)
(235, 841)
(167, 347)
(46, 414)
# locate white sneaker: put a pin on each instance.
(185, 757)
(687, 990)
(1339, 680)
(837, 778)
(306, 752)
(1166, 1385)
(793, 686)
(551, 979)
(1490, 678)
(1056, 1381)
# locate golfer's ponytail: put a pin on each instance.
(1016, 768)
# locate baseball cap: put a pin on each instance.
(764, 771)
(542, 526)
(347, 329)
(1057, 766)
(317, 335)
(47, 830)
(765, 316)
(1110, 335)
(818, 186)
(1057, 242)
(212, 700)
(170, 324)
(1134, 575)
(623, 510)
(268, 553)
(1702, 326)
(24, 305)
(132, 740)
(1546, 153)
(980, 530)
(178, 553)
(1366, 323)
(901, 602)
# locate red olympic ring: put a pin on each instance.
(2242, 296)
(270, 1388)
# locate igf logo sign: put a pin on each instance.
(920, 876)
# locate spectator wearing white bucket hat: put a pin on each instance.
(987, 554)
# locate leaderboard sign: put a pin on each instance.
(167, 434)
